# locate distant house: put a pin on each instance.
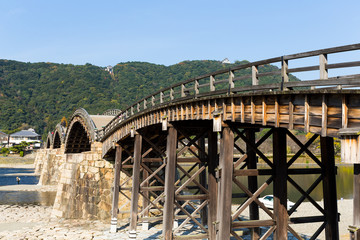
(3, 138)
(225, 61)
(25, 135)
(109, 69)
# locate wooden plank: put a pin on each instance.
(280, 183)
(343, 65)
(324, 119)
(344, 111)
(242, 111)
(253, 224)
(233, 110)
(135, 183)
(303, 69)
(226, 159)
(329, 188)
(312, 219)
(191, 197)
(264, 111)
(154, 188)
(168, 219)
(192, 236)
(277, 117)
(252, 110)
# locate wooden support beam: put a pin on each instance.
(115, 202)
(145, 184)
(280, 183)
(329, 188)
(354, 232)
(226, 165)
(168, 220)
(212, 183)
(135, 186)
(202, 178)
(252, 180)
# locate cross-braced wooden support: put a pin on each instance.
(196, 184)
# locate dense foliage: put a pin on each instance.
(41, 94)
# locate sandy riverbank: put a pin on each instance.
(34, 222)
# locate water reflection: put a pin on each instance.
(27, 197)
(8, 178)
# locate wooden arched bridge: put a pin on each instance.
(185, 147)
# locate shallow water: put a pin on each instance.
(8, 178)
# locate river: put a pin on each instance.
(25, 195)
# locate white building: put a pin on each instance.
(24, 135)
(225, 61)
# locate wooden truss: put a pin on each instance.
(185, 179)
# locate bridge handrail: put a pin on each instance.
(194, 87)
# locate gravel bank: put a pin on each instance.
(34, 222)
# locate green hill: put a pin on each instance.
(40, 94)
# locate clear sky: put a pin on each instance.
(167, 32)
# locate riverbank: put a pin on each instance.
(35, 222)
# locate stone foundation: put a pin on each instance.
(84, 182)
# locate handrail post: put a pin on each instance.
(255, 79)
(161, 97)
(145, 104)
(196, 87)
(322, 67)
(231, 79)
(152, 101)
(182, 90)
(138, 107)
(132, 110)
(212, 83)
(171, 94)
(284, 73)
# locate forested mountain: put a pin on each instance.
(40, 94)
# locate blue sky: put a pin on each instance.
(167, 32)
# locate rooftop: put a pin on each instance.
(25, 133)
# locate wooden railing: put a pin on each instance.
(225, 82)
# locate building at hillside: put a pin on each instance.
(29, 136)
(3, 138)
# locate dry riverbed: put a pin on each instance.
(34, 221)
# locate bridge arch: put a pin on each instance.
(59, 136)
(80, 133)
(84, 130)
(49, 140)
